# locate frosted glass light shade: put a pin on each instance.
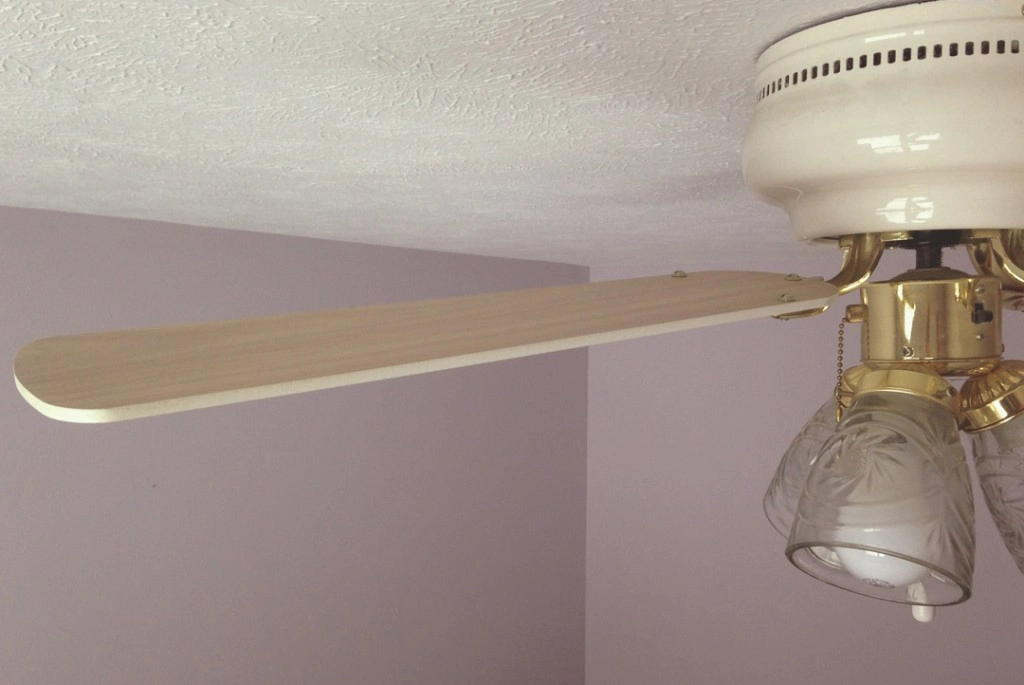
(999, 462)
(783, 495)
(887, 509)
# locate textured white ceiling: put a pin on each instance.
(587, 131)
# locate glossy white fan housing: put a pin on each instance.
(900, 119)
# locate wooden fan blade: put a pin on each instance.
(100, 377)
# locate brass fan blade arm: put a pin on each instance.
(100, 377)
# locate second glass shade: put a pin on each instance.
(887, 510)
(783, 495)
(999, 461)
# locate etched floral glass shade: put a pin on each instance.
(787, 485)
(887, 509)
(999, 462)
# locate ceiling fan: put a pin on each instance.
(896, 128)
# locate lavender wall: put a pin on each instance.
(426, 530)
(687, 581)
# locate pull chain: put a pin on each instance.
(839, 369)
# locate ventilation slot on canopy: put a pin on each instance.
(881, 58)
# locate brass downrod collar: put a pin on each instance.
(937, 318)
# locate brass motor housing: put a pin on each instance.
(945, 320)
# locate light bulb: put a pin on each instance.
(904, 526)
(882, 570)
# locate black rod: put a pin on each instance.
(929, 255)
